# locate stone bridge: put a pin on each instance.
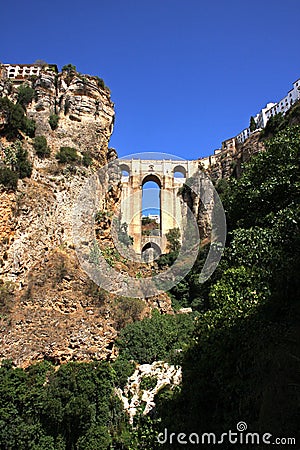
(169, 175)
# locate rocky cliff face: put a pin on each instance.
(228, 161)
(83, 105)
(55, 312)
(39, 214)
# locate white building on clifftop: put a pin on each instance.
(271, 109)
(23, 71)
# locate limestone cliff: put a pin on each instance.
(54, 311)
(226, 162)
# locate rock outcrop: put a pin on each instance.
(146, 381)
(56, 313)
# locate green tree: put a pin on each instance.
(25, 95)
(274, 124)
(248, 327)
(173, 238)
(156, 338)
(15, 119)
(16, 157)
(253, 125)
(30, 127)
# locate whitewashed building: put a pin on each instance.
(155, 217)
(286, 102)
(271, 109)
(21, 71)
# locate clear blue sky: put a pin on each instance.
(184, 74)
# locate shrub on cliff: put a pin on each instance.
(25, 95)
(16, 159)
(87, 161)
(68, 68)
(127, 310)
(53, 121)
(70, 72)
(15, 120)
(41, 147)
(29, 127)
(8, 178)
(100, 82)
(67, 155)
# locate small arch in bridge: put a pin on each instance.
(125, 170)
(152, 177)
(179, 172)
(150, 252)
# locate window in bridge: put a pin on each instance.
(125, 172)
(179, 173)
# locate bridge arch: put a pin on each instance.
(150, 251)
(125, 170)
(179, 172)
(152, 177)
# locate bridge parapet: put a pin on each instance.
(151, 239)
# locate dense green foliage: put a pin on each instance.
(25, 95)
(245, 350)
(71, 408)
(15, 120)
(161, 337)
(148, 382)
(41, 147)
